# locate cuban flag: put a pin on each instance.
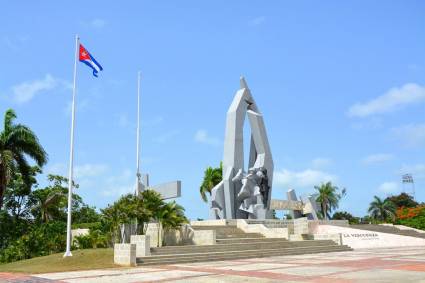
(89, 60)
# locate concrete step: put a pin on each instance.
(219, 229)
(226, 232)
(211, 256)
(242, 235)
(237, 247)
(247, 240)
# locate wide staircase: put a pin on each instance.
(388, 229)
(233, 243)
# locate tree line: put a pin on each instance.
(33, 218)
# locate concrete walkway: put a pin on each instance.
(381, 265)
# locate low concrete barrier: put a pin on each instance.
(357, 238)
(204, 237)
(220, 222)
(143, 245)
(301, 226)
(261, 229)
(337, 237)
(125, 254)
(182, 236)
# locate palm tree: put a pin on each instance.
(169, 216)
(47, 203)
(328, 198)
(381, 209)
(17, 142)
(212, 176)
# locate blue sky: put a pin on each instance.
(341, 86)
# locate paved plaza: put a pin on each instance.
(380, 265)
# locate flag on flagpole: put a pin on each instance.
(89, 60)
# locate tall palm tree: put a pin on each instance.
(212, 176)
(17, 142)
(381, 209)
(329, 197)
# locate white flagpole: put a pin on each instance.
(138, 136)
(71, 153)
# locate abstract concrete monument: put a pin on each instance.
(244, 195)
(306, 207)
(166, 190)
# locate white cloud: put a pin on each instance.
(321, 162)
(97, 23)
(26, 91)
(257, 21)
(84, 174)
(417, 170)
(98, 177)
(201, 136)
(412, 135)
(118, 190)
(118, 185)
(89, 170)
(392, 100)
(377, 158)
(304, 179)
(166, 136)
(389, 187)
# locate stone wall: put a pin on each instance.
(181, 236)
(261, 229)
(142, 242)
(185, 235)
(151, 230)
(301, 226)
(204, 237)
(337, 237)
(125, 254)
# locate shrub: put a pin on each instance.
(343, 215)
(41, 240)
(82, 242)
(95, 239)
(412, 217)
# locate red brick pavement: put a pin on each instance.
(393, 262)
(21, 278)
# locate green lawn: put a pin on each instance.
(81, 260)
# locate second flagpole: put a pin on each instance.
(71, 153)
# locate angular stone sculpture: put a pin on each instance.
(306, 207)
(168, 190)
(244, 195)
